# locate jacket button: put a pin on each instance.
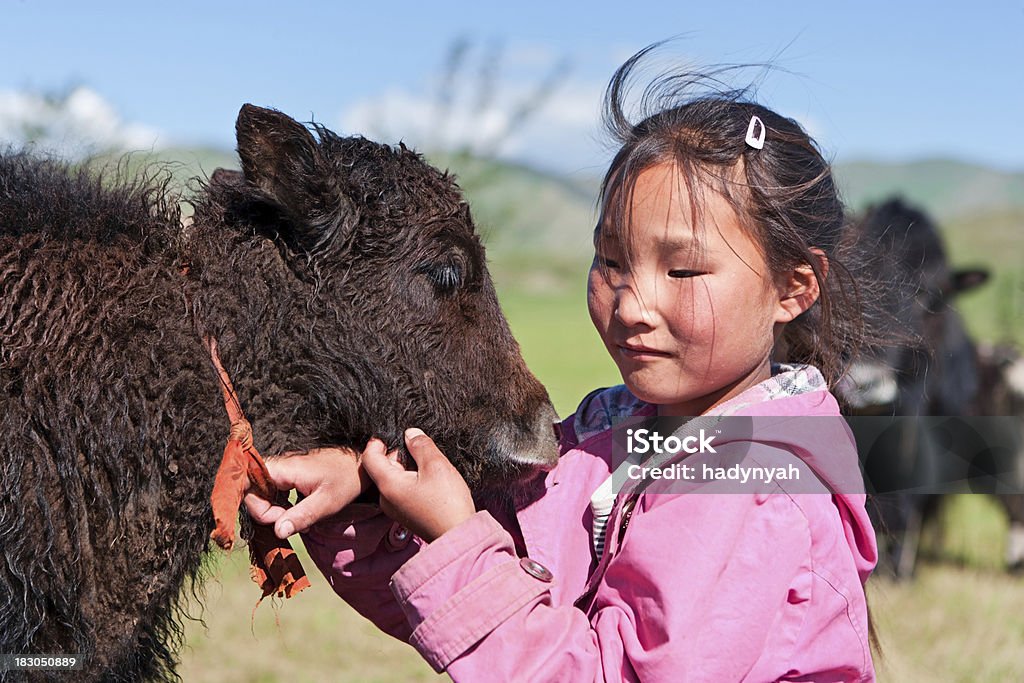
(536, 570)
(398, 537)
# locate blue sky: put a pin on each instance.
(888, 81)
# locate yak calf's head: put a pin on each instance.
(377, 309)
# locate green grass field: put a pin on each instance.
(959, 621)
(995, 311)
(314, 636)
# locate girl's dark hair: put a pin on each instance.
(784, 193)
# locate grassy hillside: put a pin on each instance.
(183, 163)
(981, 214)
(995, 311)
(538, 228)
(947, 189)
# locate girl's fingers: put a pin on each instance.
(262, 510)
(382, 467)
(292, 470)
(305, 513)
(299, 517)
(421, 447)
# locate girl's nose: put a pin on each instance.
(633, 308)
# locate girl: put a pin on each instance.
(717, 246)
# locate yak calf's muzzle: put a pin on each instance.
(533, 448)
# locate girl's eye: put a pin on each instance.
(681, 273)
(607, 262)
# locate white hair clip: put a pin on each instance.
(755, 141)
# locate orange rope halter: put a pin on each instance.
(275, 566)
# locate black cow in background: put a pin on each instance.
(932, 370)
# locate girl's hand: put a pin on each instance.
(429, 501)
(329, 478)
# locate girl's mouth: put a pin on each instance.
(641, 352)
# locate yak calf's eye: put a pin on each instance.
(446, 276)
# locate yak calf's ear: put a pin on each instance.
(282, 160)
(280, 157)
(964, 280)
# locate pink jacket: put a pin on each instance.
(721, 587)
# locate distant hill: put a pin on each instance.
(518, 207)
(538, 227)
(531, 222)
(519, 212)
(534, 208)
(948, 189)
(184, 163)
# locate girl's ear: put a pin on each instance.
(798, 289)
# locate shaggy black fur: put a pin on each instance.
(350, 297)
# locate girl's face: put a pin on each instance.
(690, 318)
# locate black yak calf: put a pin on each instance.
(348, 291)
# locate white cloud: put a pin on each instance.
(77, 124)
(560, 134)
